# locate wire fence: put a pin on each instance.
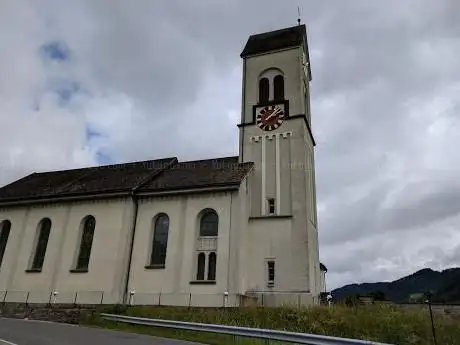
(260, 299)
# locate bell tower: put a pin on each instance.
(275, 134)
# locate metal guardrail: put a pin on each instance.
(259, 333)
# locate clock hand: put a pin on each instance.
(272, 114)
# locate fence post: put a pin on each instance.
(159, 299)
(4, 298)
(55, 293)
(75, 299)
(102, 297)
(27, 298)
(225, 298)
(131, 296)
(49, 300)
(190, 300)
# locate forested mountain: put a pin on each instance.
(444, 285)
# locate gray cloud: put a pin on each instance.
(164, 78)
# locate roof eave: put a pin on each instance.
(193, 190)
(61, 198)
(266, 52)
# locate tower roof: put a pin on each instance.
(273, 40)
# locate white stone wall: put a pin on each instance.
(284, 170)
(180, 269)
(108, 255)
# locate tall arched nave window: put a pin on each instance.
(159, 241)
(44, 230)
(86, 243)
(5, 228)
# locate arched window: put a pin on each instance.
(278, 88)
(4, 234)
(160, 241)
(212, 266)
(86, 243)
(264, 90)
(201, 266)
(42, 243)
(209, 224)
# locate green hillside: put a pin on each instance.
(444, 285)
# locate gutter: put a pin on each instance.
(58, 199)
(223, 188)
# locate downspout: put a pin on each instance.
(131, 244)
(229, 241)
(133, 196)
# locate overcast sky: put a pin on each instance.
(96, 81)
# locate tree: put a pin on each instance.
(378, 295)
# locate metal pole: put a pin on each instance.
(432, 323)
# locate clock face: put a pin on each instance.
(270, 117)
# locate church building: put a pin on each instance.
(216, 232)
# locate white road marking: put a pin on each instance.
(2, 341)
(42, 321)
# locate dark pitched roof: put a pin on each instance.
(284, 38)
(101, 179)
(152, 175)
(201, 173)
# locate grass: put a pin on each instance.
(382, 323)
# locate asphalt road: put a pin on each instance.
(25, 332)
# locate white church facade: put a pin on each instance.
(213, 232)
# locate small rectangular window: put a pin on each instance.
(271, 206)
(271, 273)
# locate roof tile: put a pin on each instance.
(146, 176)
(274, 40)
(199, 173)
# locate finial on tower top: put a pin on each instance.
(298, 12)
